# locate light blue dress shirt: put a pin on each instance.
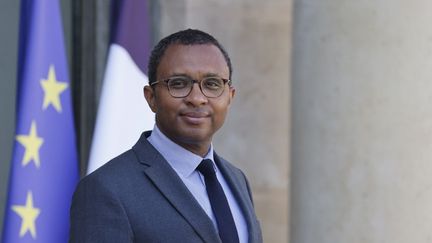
(184, 164)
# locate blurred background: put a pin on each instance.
(331, 120)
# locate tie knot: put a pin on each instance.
(206, 168)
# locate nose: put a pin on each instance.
(196, 97)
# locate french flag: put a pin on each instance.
(123, 112)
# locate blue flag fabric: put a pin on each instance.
(44, 167)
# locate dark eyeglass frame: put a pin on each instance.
(199, 82)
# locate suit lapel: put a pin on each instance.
(240, 191)
(174, 190)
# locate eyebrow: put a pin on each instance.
(205, 75)
(211, 75)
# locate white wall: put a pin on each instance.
(257, 35)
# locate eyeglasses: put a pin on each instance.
(181, 86)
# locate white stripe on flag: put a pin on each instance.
(123, 112)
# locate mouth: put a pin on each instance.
(194, 117)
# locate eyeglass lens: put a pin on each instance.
(211, 87)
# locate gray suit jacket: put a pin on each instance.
(138, 197)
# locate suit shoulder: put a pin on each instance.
(124, 163)
(229, 165)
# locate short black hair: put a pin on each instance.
(183, 37)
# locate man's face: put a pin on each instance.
(190, 121)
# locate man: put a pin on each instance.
(172, 186)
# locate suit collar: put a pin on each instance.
(157, 169)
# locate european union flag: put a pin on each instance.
(44, 167)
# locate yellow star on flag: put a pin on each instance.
(32, 144)
(28, 215)
(52, 89)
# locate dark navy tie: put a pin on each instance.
(219, 203)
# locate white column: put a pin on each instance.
(362, 122)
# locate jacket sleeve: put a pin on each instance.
(97, 215)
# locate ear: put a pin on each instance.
(149, 94)
(231, 94)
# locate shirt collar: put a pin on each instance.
(181, 160)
